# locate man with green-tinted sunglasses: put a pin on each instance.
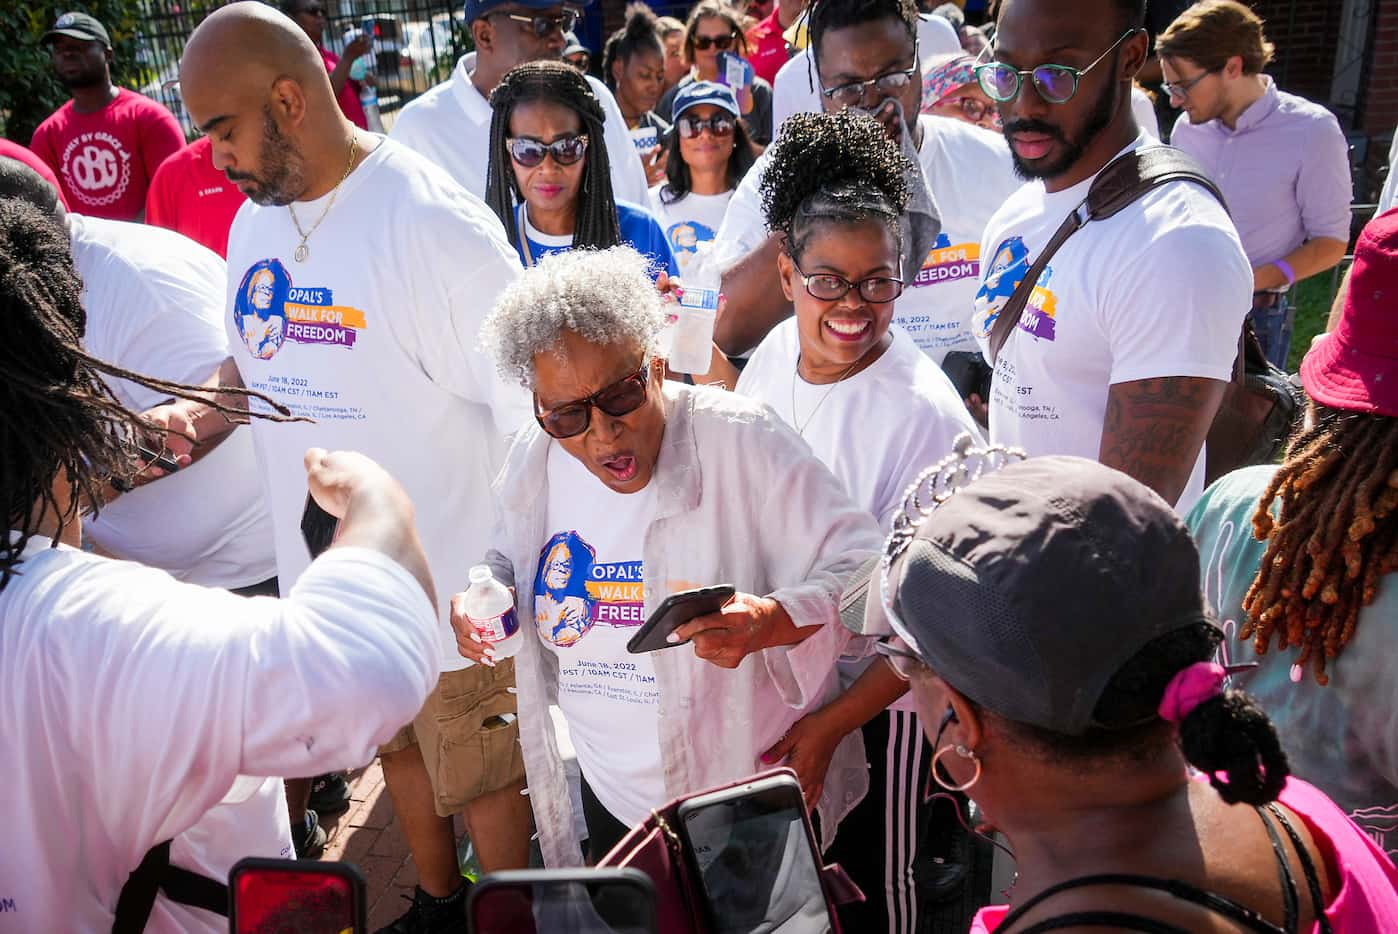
(1124, 348)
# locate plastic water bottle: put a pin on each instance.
(491, 609)
(691, 345)
(369, 100)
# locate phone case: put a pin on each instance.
(651, 637)
(654, 848)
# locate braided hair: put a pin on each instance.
(638, 35)
(559, 83)
(57, 415)
(832, 167)
(1334, 536)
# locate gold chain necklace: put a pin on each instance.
(796, 375)
(303, 251)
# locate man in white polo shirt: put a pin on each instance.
(375, 338)
(864, 49)
(1281, 161)
(1123, 351)
(450, 124)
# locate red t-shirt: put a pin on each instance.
(104, 160)
(349, 94)
(188, 195)
(767, 48)
(15, 151)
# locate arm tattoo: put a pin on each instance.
(1154, 428)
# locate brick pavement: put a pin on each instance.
(368, 836)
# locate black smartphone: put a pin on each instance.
(752, 850)
(580, 901)
(287, 895)
(317, 527)
(678, 609)
(161, 459)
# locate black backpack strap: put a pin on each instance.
(1212, 901)
(154, 874)
(1307, 868)
(1123, 181)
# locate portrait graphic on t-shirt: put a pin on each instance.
(270, 309)
(97, 168)
(573, 591)
(685, 238)
(1007, 269)
(949, 262)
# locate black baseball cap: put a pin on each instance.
(78, 26)
(1028, 588)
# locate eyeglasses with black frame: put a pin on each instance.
(1181, 89)
(690, 126)
(542, 26)
(1056, 84)
(529, 152)
(887, 84)
(828, 287)
(722, 43)
(571, 419)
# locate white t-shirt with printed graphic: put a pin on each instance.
(1158, 290)
(376, 338)
(588, 602)
(689, 221)
(970, 175)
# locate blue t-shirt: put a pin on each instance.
(638, 229)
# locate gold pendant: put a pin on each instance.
(301, 253)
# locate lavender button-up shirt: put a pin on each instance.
(1284, 171)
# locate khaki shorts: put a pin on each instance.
(467, 757)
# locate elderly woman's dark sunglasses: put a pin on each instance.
(623, 397)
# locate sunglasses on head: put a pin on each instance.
(623, 397)
(543, 26)
(1056, 84)
(690, 126)
(722, 43)
(565, 150)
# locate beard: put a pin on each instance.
(91, 78)
(282, 177)
(1098, 119)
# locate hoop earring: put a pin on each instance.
(964, 753)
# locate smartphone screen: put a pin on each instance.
(318, 527)
(755, 862)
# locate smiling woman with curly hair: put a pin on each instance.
(835, 192)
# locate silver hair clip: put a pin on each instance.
(935, 485)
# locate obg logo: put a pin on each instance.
(97, 168)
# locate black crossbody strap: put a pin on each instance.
(155, 873)
(1123, 181)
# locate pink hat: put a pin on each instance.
(1355, 367)
(944, 77)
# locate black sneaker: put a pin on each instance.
(428, 915)
(330, 794)
(309, 838)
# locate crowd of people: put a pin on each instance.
(949, 452)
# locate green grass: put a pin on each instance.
(1312, 297)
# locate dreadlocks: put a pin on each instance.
(57, 416)
(1334, 536)
(557, 83)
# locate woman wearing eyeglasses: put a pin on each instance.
(549, 179)
(876, 411)
(708, 153)
(310, 15)
(950, 89)
(627, 489)
(715, 27)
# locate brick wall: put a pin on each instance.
(1304, 32)
(1381, 103)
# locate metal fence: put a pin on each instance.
(416, 44)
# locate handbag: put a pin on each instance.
(654, 848)
(1260, 404)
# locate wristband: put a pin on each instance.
(1286, 270)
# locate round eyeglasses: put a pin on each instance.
(1056, 84)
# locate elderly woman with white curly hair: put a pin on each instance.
(627, 490)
